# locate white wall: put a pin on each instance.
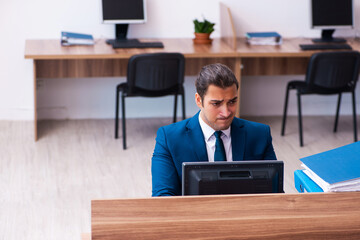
(94, 97)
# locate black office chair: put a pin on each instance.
(151, 75)
(327, 73)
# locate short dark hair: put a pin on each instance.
(217, 74)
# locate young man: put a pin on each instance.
(213, 134)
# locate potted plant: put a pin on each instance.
(202, 31)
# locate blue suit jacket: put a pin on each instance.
(184, 142)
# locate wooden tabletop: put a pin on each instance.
(52, 49)
(262, 216)
(289, 48)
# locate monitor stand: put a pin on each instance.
(122, 42)
(120, 35)
(326, 37)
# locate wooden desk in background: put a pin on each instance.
(51, 60)
(263, 216)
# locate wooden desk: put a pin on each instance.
(51, 60)
(273, 216)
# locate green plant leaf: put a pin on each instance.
(203, 27)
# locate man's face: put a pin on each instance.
(218, 107)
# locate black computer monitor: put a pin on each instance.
(122, 13)
(330, 15)
(238, 177)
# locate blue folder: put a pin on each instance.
(336, 165)
(70, 38)
(76, 35)
(262, 34)
(304, 184)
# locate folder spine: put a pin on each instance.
(304, 184)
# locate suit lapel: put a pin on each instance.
(196, 138)
(237, 139)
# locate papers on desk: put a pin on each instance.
(337, 170)
(69, 38)
(263, 38)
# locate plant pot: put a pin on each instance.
(202, 38)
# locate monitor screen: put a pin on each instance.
(123, 11)
(332, 13)
(238, 177)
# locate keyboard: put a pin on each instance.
(325, 46)
(132, 43)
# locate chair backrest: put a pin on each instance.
(156, 73)
(332, 72)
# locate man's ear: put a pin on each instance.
(198, 100)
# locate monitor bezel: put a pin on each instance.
(186, 166)
(331, 26)
(124, 21)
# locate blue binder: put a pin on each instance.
(304, 184)
(336, 165)
(70, 38)
(262, 34)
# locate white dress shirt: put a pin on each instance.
(210, 140)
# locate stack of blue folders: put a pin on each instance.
(69, 38)
(263, 38)
(336, 170)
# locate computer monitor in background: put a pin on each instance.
(330, 15)
(122, 13)
(238, 177)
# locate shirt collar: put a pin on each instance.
(209, 131)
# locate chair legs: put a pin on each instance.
(285, 111)
(123, 113)
(289, 87)
(183, 106)
(354, 115)
(299, 114)
(117, 117)
(300, 119)
(123, 120)
(175, 108)
(117, 113)
(337, 112)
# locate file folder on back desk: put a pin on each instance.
(304, 184)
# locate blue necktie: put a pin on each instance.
(219, 148)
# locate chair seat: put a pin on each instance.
(124, 88)
(303, 88)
